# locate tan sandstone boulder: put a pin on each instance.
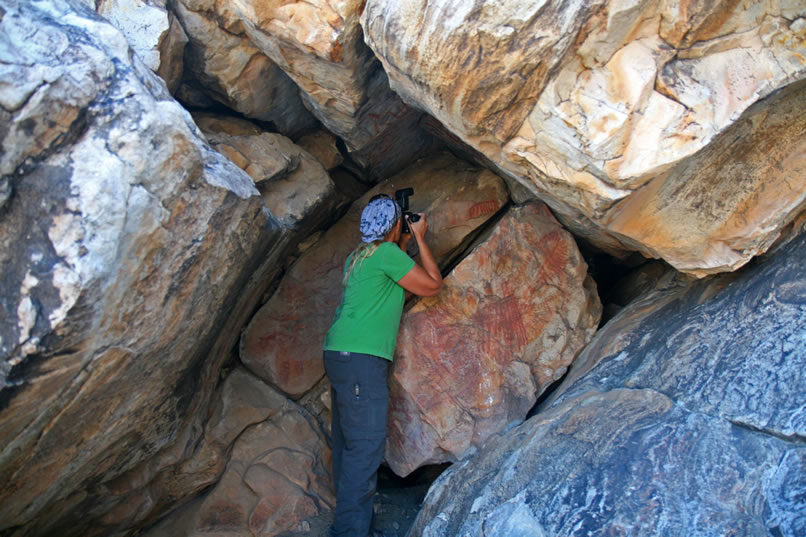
(232, 71)
(507, 323)
(324, 147)
(319, 44)
(603, 109)
(294, 185)
(278, 471)
(283, 342)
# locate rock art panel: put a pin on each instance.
(507, 323)
(283, 342)
(683, 416)
(594, 105)
(153, 32)
(231, 70)
(113, 239)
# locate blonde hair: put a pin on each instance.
(361, 252)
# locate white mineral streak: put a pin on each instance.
(143, 24)
(26, 311)
(622, 120)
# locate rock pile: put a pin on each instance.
(168, 276)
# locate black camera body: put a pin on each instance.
(402, 198)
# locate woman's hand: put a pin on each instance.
(420, 227)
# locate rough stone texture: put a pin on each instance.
(731, 346)
(146, 492)
(215, 123)
(507, 323)
(277, 474)
(319, 44)
(624, 462)
(684, 416)
(603, 108)
(323, 146)
(231, 70)
(283, 342)
(294, 185)
(153, 33)
(122, 225)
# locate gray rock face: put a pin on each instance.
(154, 34)
(684, 416)
(623, 462)
(125, 247)
(737, 353)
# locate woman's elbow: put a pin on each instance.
(433, 288)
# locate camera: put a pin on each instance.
(402, 198)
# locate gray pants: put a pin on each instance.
(360, 399)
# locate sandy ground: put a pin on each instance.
(396, 504)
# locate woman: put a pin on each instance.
(359, 348)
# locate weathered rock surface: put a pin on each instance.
(319, 44)
(732, 347)
(507, 323)
(623, 462)
(153, 32)
(127, 248)
(324, 147)
(277, 473)
(197, 462)
(294, 185)
(603, 108)
(214, 123)
(283, 342)
(231, 70)
(684, 416)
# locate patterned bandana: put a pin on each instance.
(378, 219)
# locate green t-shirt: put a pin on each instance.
(368, 318)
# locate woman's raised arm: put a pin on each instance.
(425, 280)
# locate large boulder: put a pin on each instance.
(283, 342)
(319, 44)
(153, 32)
(224, 65)
(603, 109)
(295, 187)
(127, 252)
(622, 462)
(684, 416)
(278, 470)
(507, 323)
